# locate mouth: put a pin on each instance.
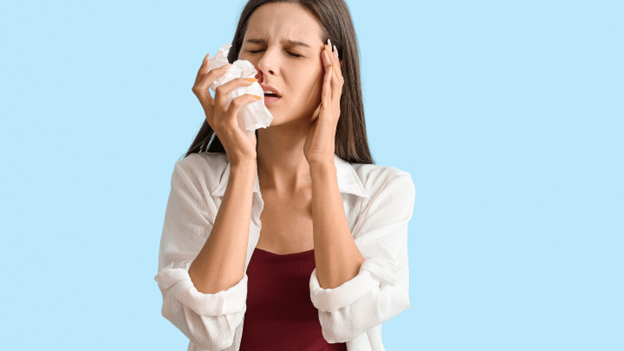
(271, 95)
(269, 99)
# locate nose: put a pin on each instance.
(265, 66)
(260, 74)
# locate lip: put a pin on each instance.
(268, 100)
(266, 87)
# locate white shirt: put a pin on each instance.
(378, 203)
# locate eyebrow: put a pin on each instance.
(289, 42)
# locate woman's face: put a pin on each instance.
(284, 43)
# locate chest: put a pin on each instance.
(286, 224)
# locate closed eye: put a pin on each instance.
(290, 53)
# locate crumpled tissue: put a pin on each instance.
(253, 115)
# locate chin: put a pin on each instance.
(281, 120)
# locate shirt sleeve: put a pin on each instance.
(380, 291)
(208, 320)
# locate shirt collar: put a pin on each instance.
(348, 180)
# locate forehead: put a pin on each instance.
(284, 21)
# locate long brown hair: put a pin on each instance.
(335, 20)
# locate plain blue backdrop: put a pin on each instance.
(509, 116)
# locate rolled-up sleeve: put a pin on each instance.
(208, 320)
(380, 291)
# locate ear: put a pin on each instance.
(340, 64)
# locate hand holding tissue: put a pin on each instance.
(253, 115)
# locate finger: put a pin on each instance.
(336, 82)
(205, 66)
(211, 76)
(332, 56)
(336, 89)
(337, 66)
(222, 91)
(336, 77)
(201, 89)
(326, 94)
(239, 102)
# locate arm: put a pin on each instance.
(221, 262)
(364, 274)
(204, 292)
(350, 303)
(337, 257)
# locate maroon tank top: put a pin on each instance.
(280, 315)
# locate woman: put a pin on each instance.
(291, 239)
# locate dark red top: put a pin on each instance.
(280, 315)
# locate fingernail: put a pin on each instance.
(329, 43)
(335, 51)
(257, 97)
(326, 51)
(252, 79)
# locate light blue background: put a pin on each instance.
(509, 115)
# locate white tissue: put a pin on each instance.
(253, 115)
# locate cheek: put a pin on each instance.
(310, 93)
(243, 56)
(312, 80)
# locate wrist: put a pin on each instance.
(243, 169)
(247, 164)
(322, 168)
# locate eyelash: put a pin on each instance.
(291, 54)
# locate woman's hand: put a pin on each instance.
(238, 146)
(319, 146)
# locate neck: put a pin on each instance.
(282, 166)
